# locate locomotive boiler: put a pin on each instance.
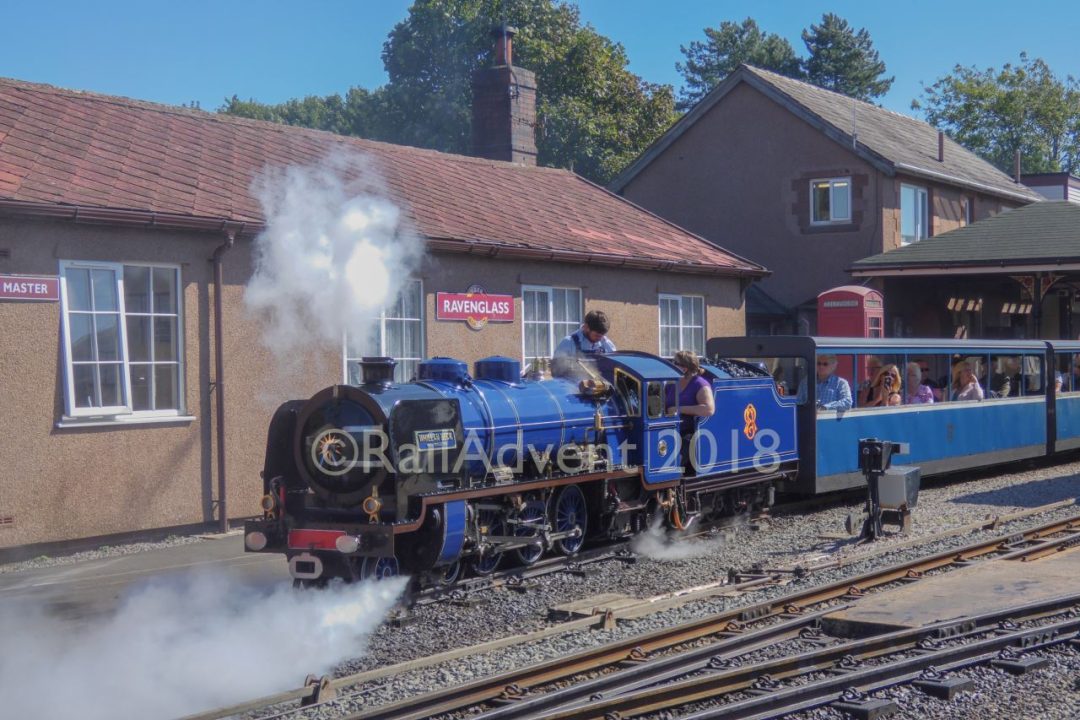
(457, 471)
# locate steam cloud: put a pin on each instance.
(655, 544)
(183, 645)
(334, 252)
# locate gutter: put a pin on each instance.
(217, 385)
(489, 249)
(136, 218)
(964, 182)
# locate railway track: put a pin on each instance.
(793, 614)
(509, 689)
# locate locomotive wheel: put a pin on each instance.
(570, 512)
(487, 564)
(448, 575)
(379, 568)
(534, 513)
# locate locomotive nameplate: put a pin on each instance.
(443, 439)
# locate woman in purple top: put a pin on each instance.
(917, 393)
(695, 392)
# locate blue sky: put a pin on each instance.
(272, 50)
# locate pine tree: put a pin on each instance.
(724, 49)
(844, 60)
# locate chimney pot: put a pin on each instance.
(1017, 179)
(504, 44)
(940, 146)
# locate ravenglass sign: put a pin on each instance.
(25, 287)
(475, 307)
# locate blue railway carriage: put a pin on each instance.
(1019, 416)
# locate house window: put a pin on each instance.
(830, 200)
(122, 340)
(914, 214)
(967, 211)
(397, 332)
(548, 315)
(682, 324)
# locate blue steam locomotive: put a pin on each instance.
(457, 472)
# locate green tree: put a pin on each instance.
(844, 60)
(359, 113)
(726, 47)
(994, 113)
(593, 114)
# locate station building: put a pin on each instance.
(135, 389)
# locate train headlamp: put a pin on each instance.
(347, 544)
(255, 540)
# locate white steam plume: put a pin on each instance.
(335, 251)
(183, 645)
(655, 544)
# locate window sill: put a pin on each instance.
(67, 423)
(825, 228)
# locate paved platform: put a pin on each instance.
(985, 587)
(83, 591)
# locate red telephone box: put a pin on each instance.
(851, 311)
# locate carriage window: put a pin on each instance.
(1005, 378)
(1033, 382)
(1068, 372)
(629, 391)
(655, 401)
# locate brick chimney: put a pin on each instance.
(504, 106)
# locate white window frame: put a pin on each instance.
(548, 290)
(920, 192)
(683, 326)
(125, 412)
(382, 319)
(833, 182)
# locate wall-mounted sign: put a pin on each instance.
(26, 287)
(475, 307)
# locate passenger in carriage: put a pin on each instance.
(833, 391)
(965, 385)
(873, 369)
(884, 391)
(695, 392)
(918, 392)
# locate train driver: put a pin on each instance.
(589, 339)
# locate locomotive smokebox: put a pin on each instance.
(377, 370)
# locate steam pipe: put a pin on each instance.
(218, 386)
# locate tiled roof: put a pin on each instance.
(67, 148)
(891, 141)
(1045, 233)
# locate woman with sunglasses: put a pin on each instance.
(885, 389)
(695, 392)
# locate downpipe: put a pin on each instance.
(217, 386)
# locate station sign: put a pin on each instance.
(474, 306)
(30, 287)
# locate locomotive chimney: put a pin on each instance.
(377, 370)
(504, 106)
